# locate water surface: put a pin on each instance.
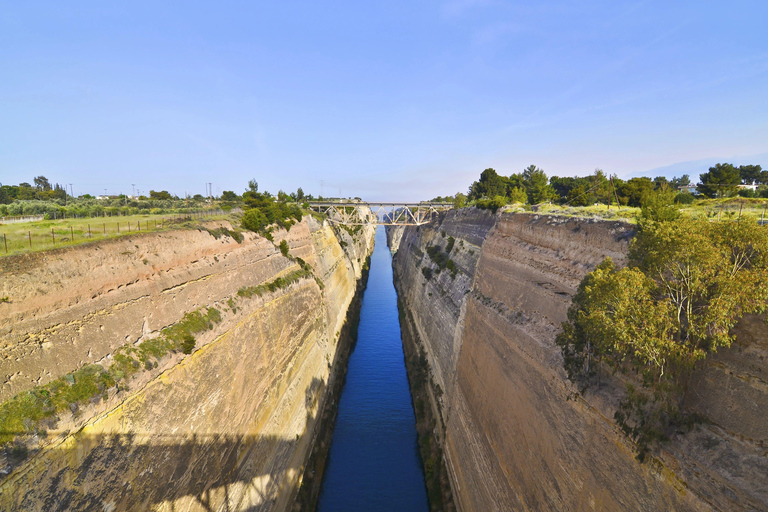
(374, 463)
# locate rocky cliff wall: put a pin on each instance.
(228, 427)
(513, 435)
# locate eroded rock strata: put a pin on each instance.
(227, 427)
(510, 432)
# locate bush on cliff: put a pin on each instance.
(262, 210)
(687, 284)
(31, 410)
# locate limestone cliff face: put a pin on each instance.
(513, 437)
(228, 427)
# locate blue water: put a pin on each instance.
(374, 463)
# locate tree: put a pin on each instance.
(660, 205)
(660, 182)
(163, 195)
(750, 174)
(634, 191)
(518, 195)
(41, 183)
(537, 185)
(688, 283)
(254, 220)
(600, 186)
(459, 200)
(720, 181)
(299, 194)
(489, 185)
(683, 181)
(229, 195)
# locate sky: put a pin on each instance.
(384, 100)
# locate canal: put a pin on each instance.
(374, 463)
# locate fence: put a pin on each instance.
(74, 231)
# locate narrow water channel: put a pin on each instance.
(374, 463)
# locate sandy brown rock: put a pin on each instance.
(228, 427)
(514, 436)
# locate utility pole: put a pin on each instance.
(322, 186)
(133, 191)
(72, 191)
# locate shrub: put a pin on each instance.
(491, 204)
(284, 248)
(254, 220)
(188, 343)
(688, 283)
(449, 246)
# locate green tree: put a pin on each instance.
(489, 185)
(42, 183)
(633, 192)
(459, 200)
(537, 185)
(660, 205)
(676, 182)
(688, 283)
(254, 220)
(750, 174)
(518, 195)
(163, 195)
(720, 181)
(229, 195)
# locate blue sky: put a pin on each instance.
(380, 99)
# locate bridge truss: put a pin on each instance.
(386, 214)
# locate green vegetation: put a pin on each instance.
(284, 248)
(262, 210)
(49, 234)
(217, 233)
(442, 259)
(723, 180)
(493, 191)
(52, 200)
(34, 410)
(352, 230)
(276, 284)
(688, 282)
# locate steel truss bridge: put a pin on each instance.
(386, 214)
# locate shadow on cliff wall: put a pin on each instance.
(131, 471)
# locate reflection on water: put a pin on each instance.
(374, 463)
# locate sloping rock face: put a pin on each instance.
(228, 427)
(513, 433)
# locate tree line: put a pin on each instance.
(532, 186)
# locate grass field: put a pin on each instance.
(48, 234)
(709, 208)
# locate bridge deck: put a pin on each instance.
(385, 213)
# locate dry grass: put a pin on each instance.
(49, 234)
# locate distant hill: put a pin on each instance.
(695, 167)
